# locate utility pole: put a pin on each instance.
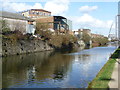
(116, 27)
(118, 23)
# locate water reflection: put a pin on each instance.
(32, 67)
(53, 69)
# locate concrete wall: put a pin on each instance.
(16, 24)
(22, 25)
(23, 46)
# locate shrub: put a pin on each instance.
(56, 40)
(42, 29)
(100, 40)
(59, 40)
(86, 38)
(4, 26)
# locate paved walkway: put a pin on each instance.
(115, 82)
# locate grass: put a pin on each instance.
(104, 76)
(116, 54)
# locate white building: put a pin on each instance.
(16, 21)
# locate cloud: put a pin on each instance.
(37, 6)
(87, 9)
(96, 25)
(57, 7)
(16, 7)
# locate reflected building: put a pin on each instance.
(36, 67)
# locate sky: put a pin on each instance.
(97, 16)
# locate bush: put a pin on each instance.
(56, 40)
(60, 40)
(4, 26)
(86, 38)
(100, 40)
(42, 29)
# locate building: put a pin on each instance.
(57, 23)
(36, 13)
(96, 36)
(119, 20)
(87, 31)
(81, 31)
(16, 21)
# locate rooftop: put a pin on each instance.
(11, 15)
(41, 10)
(36, 10)
(60, 17)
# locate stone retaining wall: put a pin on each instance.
(23, 46)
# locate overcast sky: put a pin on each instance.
(97, 16)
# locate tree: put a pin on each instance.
(86, 37)
(4, 26)
(43, 30)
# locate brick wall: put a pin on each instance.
(48, 20)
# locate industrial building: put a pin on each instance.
(36, 13)
(57, 23)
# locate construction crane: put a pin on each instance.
(116, 28)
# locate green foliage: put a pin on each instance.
(104, 76)
(4, 28)
(59, 40)
(67, 38)
(86, 38)
(42, 29)
(56, 40)
(116, 54)
(15, 36)
(100, 40)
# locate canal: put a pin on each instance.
(54, 69)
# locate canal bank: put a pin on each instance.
(54, 70)
(107, 77)
(115, 82)
(12, 47)
(25, 46)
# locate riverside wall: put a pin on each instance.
(23, 46)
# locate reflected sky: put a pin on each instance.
(54, 69)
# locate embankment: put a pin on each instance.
(104, 76)
(23, 46)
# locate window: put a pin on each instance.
(41, 13)
(33, 12)
(37, 13)
(48, 14)
(29, 12)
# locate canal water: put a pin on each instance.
(54, 69)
